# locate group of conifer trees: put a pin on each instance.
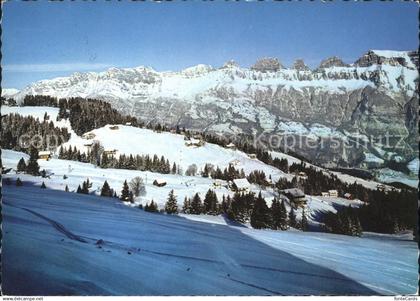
(21, 133)
(228, 174)
(140, 162)
(345, 221)
(137, 162)
(31, 167)
(8, 102)
(258, 177)
(246, 207)
(382, 211)
(84, 114)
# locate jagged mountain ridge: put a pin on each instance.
(375, 94)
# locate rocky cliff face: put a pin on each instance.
(333, 62)
(337, 101)
(299, 65)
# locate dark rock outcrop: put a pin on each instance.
(332, 62)
(299, 65)
(267, 65)
(373, 58)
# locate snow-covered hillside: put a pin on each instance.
(131, 140)
(77, 172)
(58, 243)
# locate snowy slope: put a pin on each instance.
(9, 92)
(78, 172)
(49, 248)
(130, 140)
(183, 186)
(387, 175)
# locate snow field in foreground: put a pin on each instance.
(50, 246)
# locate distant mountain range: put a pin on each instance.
(374, 95)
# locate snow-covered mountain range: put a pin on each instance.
(371, 97)
(9, 92)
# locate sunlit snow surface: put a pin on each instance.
(72, 174)
(49, 248)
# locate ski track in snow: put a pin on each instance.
(59, 227)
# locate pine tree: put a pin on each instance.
(238, 209)
(21, 166)
(33, 168)
(186, 208)
(304, 221)
(260, 217)
(151, 208)
(171, 206)
(292, 218)
(357, 227)
(174, 169)
(104, 160)
(206, 171)
(196, 205)
(19, 182)
(125, 192)
(279, 215)
(61, 113)
(210, 203)
(106, 190)
(43, 185)
(224, 206)
(85, 187)
(283, 216)
(79, 190)
(66, 189)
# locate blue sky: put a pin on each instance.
(44, 40)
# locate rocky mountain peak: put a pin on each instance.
(267, 64)
(414, 56)
(333, 62)
(230, 64)
(392, 58)
(299, 65)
